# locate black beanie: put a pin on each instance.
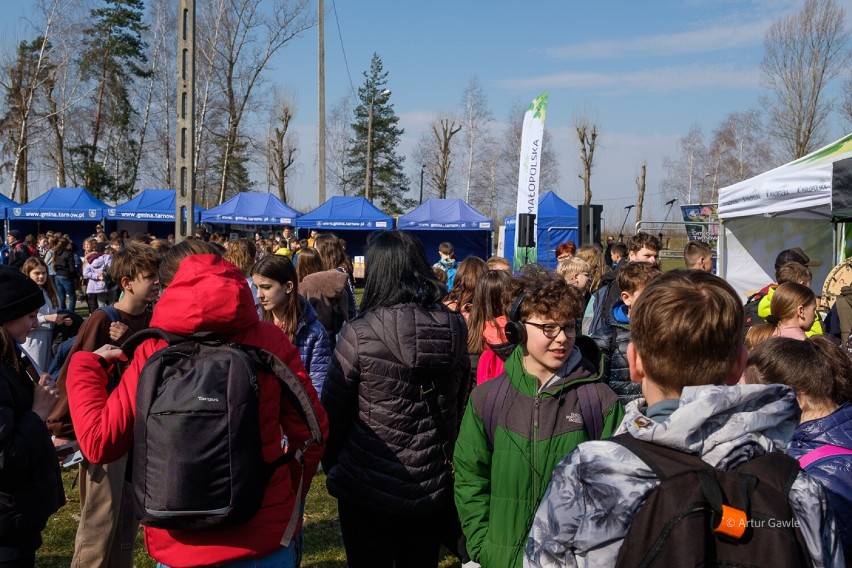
(19, 295)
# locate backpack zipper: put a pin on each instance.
(667, 529)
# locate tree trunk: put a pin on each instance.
(442, 140)
(22, 153)
(96, 130)
(588, 141)
(640, 192)
(144, 128)
(58, 140)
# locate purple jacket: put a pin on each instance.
(835, 473)
(93, 271)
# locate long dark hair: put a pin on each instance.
(397, 272)
(309, 262)
(280, 268)
(469, 272)
(487, 307)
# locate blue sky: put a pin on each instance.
(646, 71)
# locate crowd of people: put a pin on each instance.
(602, 413)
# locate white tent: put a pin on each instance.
(793, 205)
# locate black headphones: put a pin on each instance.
(516, 333)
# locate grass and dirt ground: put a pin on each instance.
(323, 545)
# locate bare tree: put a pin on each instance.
(62, 92)
(640, 191)
(684, 171)
(587, 134)
(337, 143)
(22, 81)
(442, 133)
(252, 31)
(282, 147)
(846, 102)
(802, 54)
(737, 151)
(476, 118)
(489, 197)
(161, 107)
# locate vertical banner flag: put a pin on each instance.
(528, 175)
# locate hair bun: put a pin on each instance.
(772, 320)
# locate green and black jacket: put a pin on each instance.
(497, 491)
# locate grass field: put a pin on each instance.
(323, 546)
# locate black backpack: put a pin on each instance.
(750, 309)
(197, 455)
(702, 516)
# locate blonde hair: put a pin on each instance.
(785, 302)
(594, 257)
(570, 268)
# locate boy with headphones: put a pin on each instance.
(518, 426)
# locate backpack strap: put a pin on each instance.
(293, 390)
(665, 462)
(494, 400)
(112, 312)
(590, 409)
(114, 316)
(822, 452)
(131, 343)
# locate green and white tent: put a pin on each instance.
(795, 205)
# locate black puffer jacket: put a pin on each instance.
(30, 484)
(383, 451)
(612, 340)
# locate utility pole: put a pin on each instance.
(185, 194)
(321, 132)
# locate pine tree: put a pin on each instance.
(113, 56)
(389, 183)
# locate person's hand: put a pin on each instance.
(109, 352)
(53, 318)
(117, 330)
(45, 397)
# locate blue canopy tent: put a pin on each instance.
(451, 220)
(153, 210)
(352, 218)
(251, 209)
(5, 205)
(557, 223)
(71, 210)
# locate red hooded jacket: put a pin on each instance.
(207, 294)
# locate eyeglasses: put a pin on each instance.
(551, 330)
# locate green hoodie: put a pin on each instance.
(498, 491)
